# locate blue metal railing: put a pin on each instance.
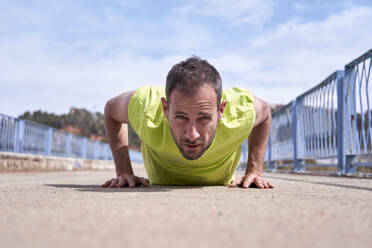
(22, 136)
(358, 128)
(331, 120)
(282, 140)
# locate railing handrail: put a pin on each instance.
(326, 81)
(360, 59)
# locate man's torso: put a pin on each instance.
(164, 162)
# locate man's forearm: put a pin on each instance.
(117, 134)
(122, 161)
(257, 144)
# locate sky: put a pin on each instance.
(59, 54)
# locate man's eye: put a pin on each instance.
(205, 118)
(181, 117)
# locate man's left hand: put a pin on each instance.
(251, 178)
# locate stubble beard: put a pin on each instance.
(192, 155)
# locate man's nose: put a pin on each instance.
(192, 132)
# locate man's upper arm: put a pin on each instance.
(262, 110)
(117, 107)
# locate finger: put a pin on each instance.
(114, 182)
(248, 181)
(266, 186)
(232, 183)
(121, 182)
(107, 183)
(138, 180)
(270, 185)
(258, 182)
(145, 182)
(239, 181)
(131, 181)
(142, 181)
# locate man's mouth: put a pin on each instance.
(192, 146)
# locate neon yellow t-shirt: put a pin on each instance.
(163, 161)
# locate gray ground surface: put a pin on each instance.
(69, 209)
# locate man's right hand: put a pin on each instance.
(128, 180)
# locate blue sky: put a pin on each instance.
(58, 54)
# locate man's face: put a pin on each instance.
(193, 119)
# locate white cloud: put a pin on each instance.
(37, 77)
(116, 54)
(303, 54)
(336, 31)
(234, 12)
(296, 56)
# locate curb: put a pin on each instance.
(15, 162)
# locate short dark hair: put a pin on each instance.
(189, 75)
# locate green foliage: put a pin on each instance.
(43, 118)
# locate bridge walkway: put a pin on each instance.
(69, 209)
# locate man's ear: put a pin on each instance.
(221, 109)
(165, 107)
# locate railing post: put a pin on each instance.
(68, 145)
(96, 150)
(19, 136)
(298, 164)
(106, 149)
(84, 147)
(341, 137)
(48, 142)
(272, 165)
(348, 100)
(244, 151)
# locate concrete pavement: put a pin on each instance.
(69, 209)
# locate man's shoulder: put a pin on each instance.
(147, 96)
(150, 91)
(146, 103)
(237, 91)
(239, 111)
(237, 96)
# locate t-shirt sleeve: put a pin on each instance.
(136, 112)
(145, 110)
(239, 115)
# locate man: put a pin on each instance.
(194, 135)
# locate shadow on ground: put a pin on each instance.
(98, 188)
